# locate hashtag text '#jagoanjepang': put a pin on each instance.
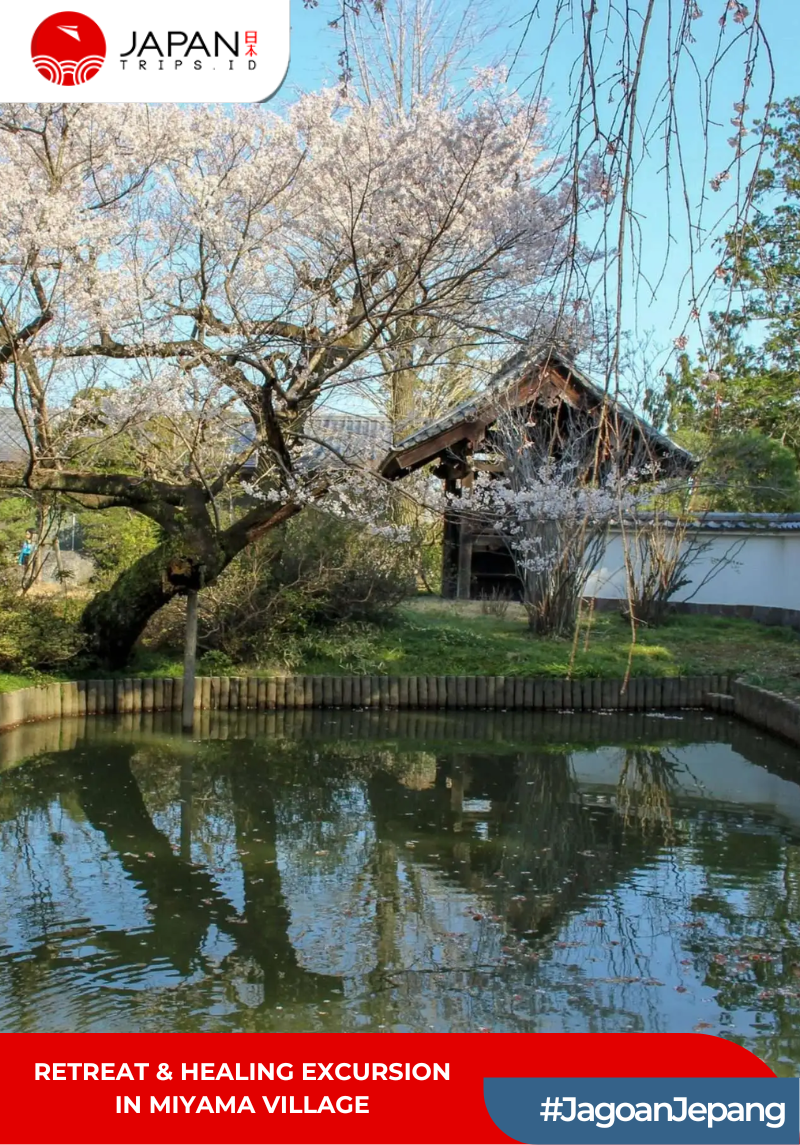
(605, 1113)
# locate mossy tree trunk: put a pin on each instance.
(192, 557)
(196, 546)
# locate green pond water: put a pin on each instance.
(402, 871)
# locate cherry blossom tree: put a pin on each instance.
(558, 482)
(181, 289)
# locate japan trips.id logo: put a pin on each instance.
(153, 51)
(68, 48)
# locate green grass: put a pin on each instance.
(144, 664)
(440, 638)
(434, 638)
(9, 683)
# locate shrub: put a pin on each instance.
(342, 571)
(215, 664)
(495, 603)
(318, 576)
(37, 633)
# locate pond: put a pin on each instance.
(402, 871)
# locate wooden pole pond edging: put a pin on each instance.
(389, 693)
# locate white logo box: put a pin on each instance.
(208, 72)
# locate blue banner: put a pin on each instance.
(569, 1110)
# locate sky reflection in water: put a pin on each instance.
(362, 871)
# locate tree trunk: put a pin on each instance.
(115, 619)
(403, 404)
(402, 410)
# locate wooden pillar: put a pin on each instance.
(450, 542)
(450, 545)
(466, 541)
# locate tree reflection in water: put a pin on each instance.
(284, 883)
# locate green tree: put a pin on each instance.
(744, 387)
(745, 472)
(762, 256)
(743, 392)
(116, 538)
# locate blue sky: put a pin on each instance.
(664, 310)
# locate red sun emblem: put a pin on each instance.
(68, 48)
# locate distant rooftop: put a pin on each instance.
(366, 440)
(363, 440)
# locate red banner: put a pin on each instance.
(64, 1088)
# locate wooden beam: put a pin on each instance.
(469, 432)
(547, 384)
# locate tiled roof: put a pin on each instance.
(728, 522)
(509, 373)
(750, 522)
(363, 439)
(357, 438)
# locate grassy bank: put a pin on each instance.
(432, 637)
(9, 683)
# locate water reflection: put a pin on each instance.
(349, 871)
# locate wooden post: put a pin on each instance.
(464, 583)
(450, 544)
(189, 661)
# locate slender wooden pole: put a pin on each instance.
(189, 662)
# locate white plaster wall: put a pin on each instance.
(765, 572)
